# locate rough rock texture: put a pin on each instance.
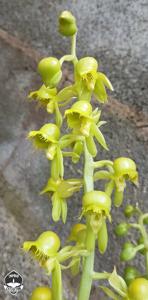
(115, 32)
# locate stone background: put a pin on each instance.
(115, 32)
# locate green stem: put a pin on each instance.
(145, 238)
(57, 282)
(98, 276)
(73, 49)
(86, 280)
(70, 57)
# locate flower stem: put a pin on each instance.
(145, 238)
(57, 282)
(73, 49)
(98, 276)
(86, 280)
(70, 57)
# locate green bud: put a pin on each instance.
(128, 252)
(41, 293)
(138, 289)
(67, 24)
(122, 229)
(129, 210)
(50, 70)
(130, 273)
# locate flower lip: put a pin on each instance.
(48, 133)
(43, 93)
(83, 108)
(47, 245)
(97, 201)
(86, 65)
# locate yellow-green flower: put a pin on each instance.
(97, 202)
(44, 95)
(97, 206)
(46, 138)
(85, 122)
(89, 80)
(78, 233)
(125, 168)
(122, 169)
(86, 70)
(61, 190)
(46, 246)
(79, 117)
(52, 100)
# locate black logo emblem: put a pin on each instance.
(13, 282)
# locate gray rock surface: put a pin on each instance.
(115, 32)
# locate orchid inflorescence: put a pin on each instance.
(84, 138)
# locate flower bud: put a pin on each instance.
(128, 252)
(122, 229)
(130, 273)
(86, 65)
(138, 289)
(41, 293)
(50, 70)
(129, 210)
(67, 24)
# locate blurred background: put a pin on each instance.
(114, 32)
